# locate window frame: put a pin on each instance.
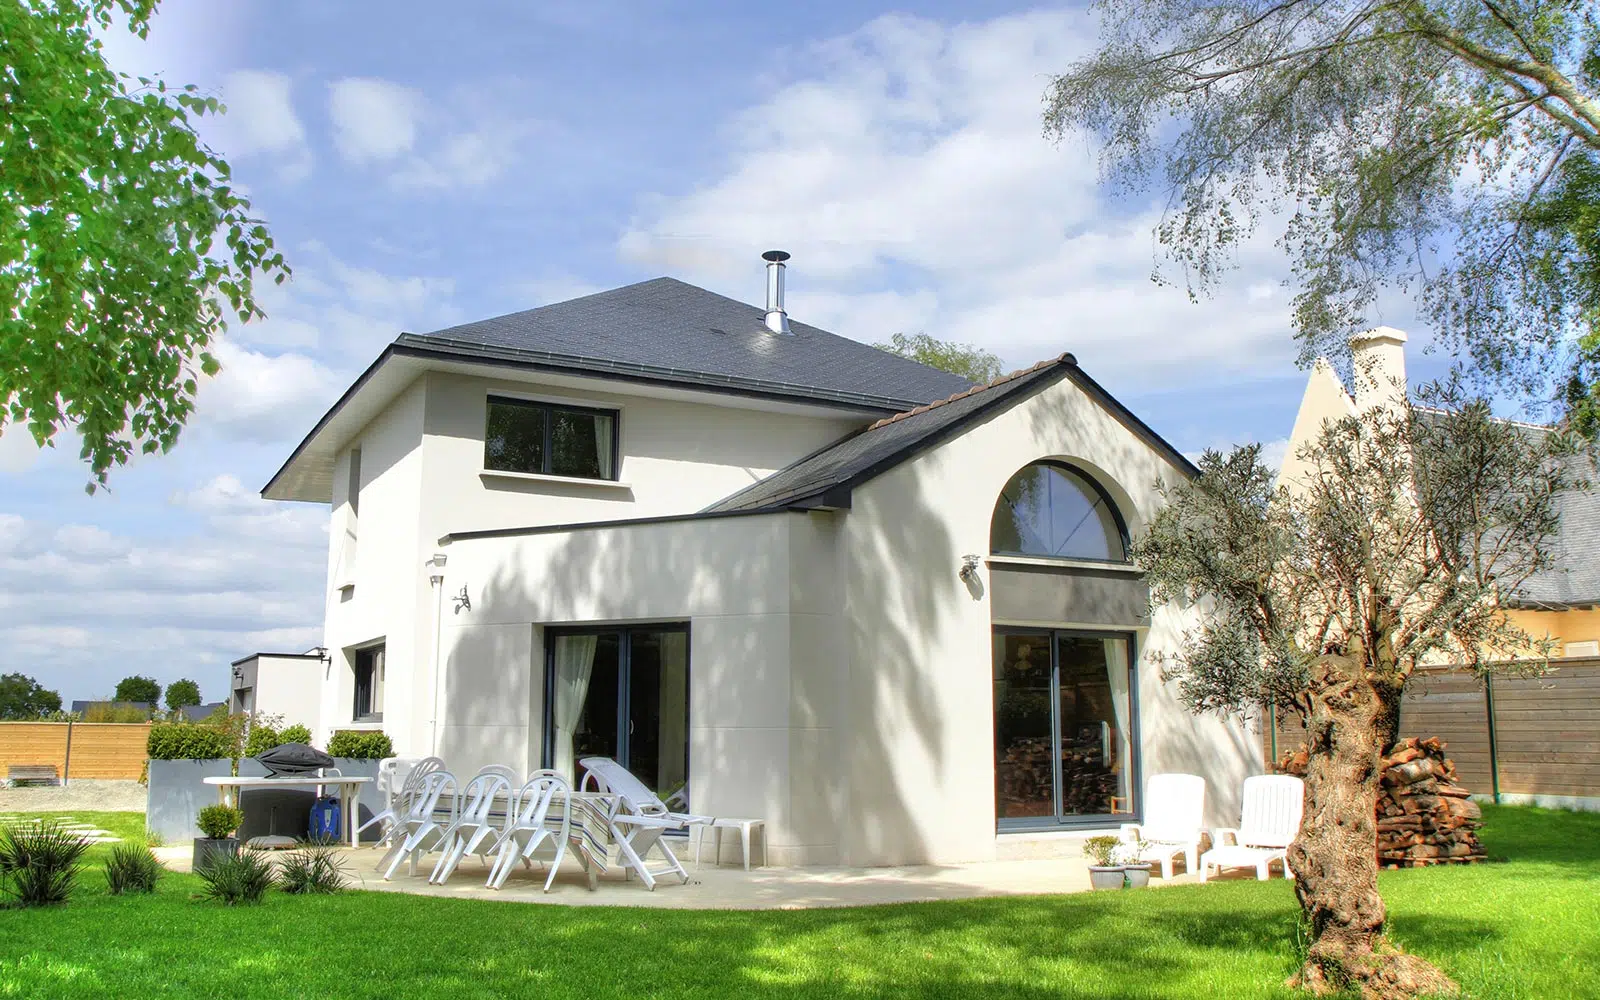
(1104, 496)
(549, 409)
(625, 633)
(1079, 821)
(356, 657)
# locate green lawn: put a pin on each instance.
(1524, 929)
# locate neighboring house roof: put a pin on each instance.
(84, 706)
(659, 332)
(313, 655)
(1575, 580)
(674, 331)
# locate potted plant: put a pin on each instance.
(1104, 871)
(1136, 872)
(218, 824)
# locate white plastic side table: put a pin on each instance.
(744, 826)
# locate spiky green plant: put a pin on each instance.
(311, 870)
(132, 868)
(241, 878)
(40, 861)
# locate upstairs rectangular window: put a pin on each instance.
(548, 439)
(369, 671)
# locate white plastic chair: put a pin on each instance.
(475, 824)
(1268, 824)
(505, 771)
(640, 821)
(530, 828)
(398, 779)
(421, 824)
(1174, 811)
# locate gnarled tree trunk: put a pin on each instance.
(1334, 858)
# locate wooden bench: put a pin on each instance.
(31, 774)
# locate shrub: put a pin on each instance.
(295, 734)
(132, 868)
(262, 738)
(241, 878)
(153, 838)
(187, 741)
(311, 870)
(1100, 850)
(40, 862)
(359, 745)
(218, 821)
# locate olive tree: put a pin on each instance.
(1398, 544)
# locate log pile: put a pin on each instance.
(1424, 815)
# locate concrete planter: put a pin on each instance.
(208, 850)
(176, 794)
(1138, 875)
(1106, 877)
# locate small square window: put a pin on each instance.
(525, 436)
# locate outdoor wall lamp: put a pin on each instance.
(969, 569)
(435, 565)
(461, 600)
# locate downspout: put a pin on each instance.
(436, 581)
(1494, 749)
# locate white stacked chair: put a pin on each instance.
(531, 828)
(1174, 810)
(1268, 824)
(399, 778)
(421, 825)
(476, 824)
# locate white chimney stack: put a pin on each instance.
(777, 319)
(1378, 365)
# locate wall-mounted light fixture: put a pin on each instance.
(461, 600)
(969, 568)
(435, 565)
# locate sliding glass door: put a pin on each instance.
(621, 693)
(1065, 728)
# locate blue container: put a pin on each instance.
(325, 819)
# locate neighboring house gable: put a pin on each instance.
(1560, 602)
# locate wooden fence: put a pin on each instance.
(1533, 738)
(77, 749)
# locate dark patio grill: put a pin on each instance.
(293, 759)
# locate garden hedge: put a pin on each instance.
(186, 741)
(360, 745)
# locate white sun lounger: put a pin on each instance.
(1174, 810)
(1268, 824)
(640, 820)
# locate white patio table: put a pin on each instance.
(349, 793)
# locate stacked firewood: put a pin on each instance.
(1424, 815)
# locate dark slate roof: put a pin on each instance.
(668, 330)
(824, 478)
(1575, 580)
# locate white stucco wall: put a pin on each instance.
(840, 671)
(291, 687)
(919, 737)
(676, 457)
(422, 477)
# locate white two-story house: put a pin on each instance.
(792, 575)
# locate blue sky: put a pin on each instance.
(426, 164)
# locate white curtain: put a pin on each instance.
(574, 664)
(602, 445)
(1117, 672)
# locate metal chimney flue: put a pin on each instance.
(777, 319)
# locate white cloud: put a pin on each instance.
(83, 606)
(261, 119)
(262, 397)
(907, 174)
(374, 120)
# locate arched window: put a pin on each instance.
(1053, 511)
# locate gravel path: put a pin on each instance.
(77, 794)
